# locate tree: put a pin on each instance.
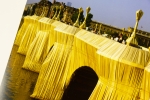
(74, 17)
(89, 19)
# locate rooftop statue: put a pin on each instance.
(132, 39)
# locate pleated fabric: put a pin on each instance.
(53, 72)
(40, 46)
(56, 27)
(119, 67)
(134, 41)
(123, 71)
(84, 51)
(29, 35)
(22, 30)
(44, 24)
(37, 52)
(64, 35)
(145, 87)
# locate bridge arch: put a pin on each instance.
(110, 61)
(81, 85)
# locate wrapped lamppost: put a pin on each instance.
(99, 31)
(76, 24)
(95, 30)
(54, 17)
(132, 39)
(83, 25)
(58, 16)
(65, 15)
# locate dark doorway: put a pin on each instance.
(82, 83)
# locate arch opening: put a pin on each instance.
(82, 84)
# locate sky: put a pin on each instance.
(118, 13)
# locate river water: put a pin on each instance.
(18, 83)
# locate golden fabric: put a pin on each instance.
(29, 35)
(22, 30)
(54, 66)
(145, 87)
(40, 46)
(119, 67)
(123, 70)
(52, 75)
(37, 52)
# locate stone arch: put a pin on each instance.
(106, 64)
(81, 85)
